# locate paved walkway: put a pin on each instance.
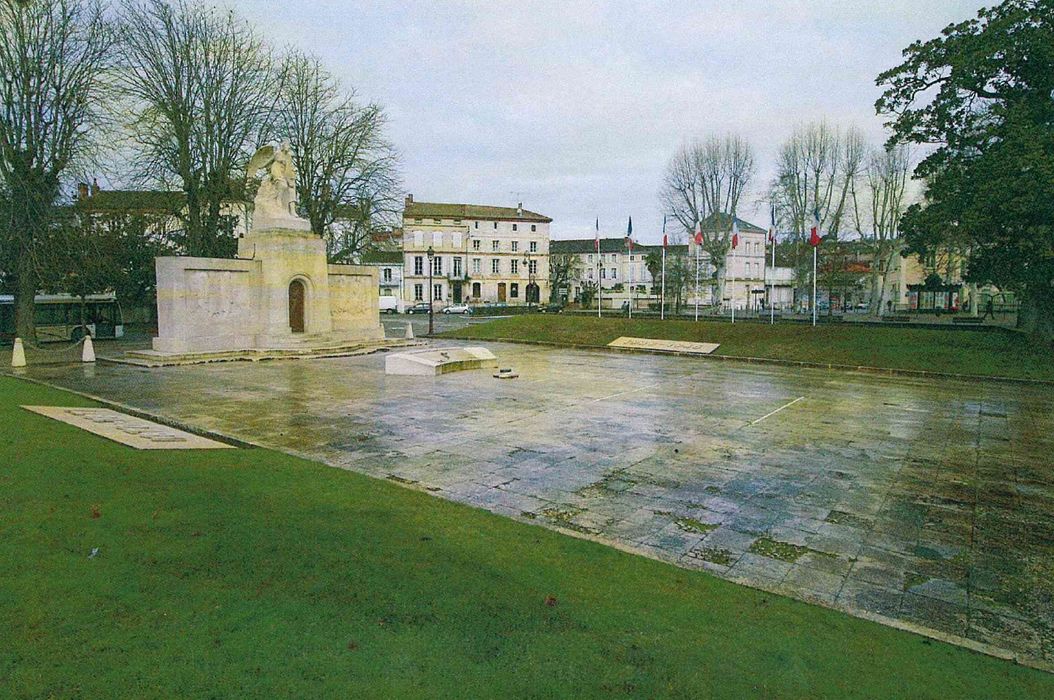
(929, 502)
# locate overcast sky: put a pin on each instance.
(575, 107)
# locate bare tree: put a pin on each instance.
(347, 180)
(54, 58)
(202, 89)
(708, 178)
(886, 177)
(816, 171)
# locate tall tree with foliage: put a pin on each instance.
(202, 89)
(54, 58)
(347, 181)
(983, 94)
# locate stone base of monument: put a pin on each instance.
(435, 361)
(336, 348)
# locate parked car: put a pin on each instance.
(551, 308)
(420, 307)
(457, 309)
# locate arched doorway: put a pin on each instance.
(297, 295)
(532, 293)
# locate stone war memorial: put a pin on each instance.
(278, 297)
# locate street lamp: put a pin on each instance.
(530, 280)
(431, 294)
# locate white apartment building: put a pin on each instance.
(744, 267)
(389, 266)
(480, 254)
(618, 265)
(747, 272)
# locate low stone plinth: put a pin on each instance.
(153, 358)
(679, 347)
(435, 361)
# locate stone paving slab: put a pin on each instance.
(921, 503)
(128, 430)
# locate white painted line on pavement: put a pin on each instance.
(772, 413)
(622, 393)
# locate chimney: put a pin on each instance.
(519, 209)
(409, 200)
(82, 191)
(94, 187)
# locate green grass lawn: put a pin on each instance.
(959, 351)
(246, 572)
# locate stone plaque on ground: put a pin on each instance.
(679, 346)
(128, 430)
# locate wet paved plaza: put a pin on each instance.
(928, 502)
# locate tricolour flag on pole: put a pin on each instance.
(814, 232)
(772, 226)
(629, 227)
(596, 237)
(698, 233)
(735, 234)
(662, 293)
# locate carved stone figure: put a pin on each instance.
(275, 204)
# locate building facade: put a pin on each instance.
(389, 266)
(480, 254)
(622, 272)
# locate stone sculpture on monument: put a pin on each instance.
(278, 295)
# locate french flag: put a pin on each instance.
(814, 232)
(596, 238)
(772, 226)
(698, 233)
(735, 234)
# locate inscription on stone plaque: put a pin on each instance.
(678, 346)
(128, 430)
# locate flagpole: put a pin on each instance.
(814, 285)
(600, 265)
(600, 283)
(662, 292)
(732, 294)
(772, 282)
(697, 281)
(629, 245)
(662, 296)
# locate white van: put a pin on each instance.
(392, 305)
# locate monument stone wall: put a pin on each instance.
(279, 292)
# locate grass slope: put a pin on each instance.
(251, 573)
(959, 351)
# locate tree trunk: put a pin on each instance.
(720, 276)
(878, 285)
(1035, 316)
(25, 297)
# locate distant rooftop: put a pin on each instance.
(579, 246)
(440, 210)
(588, 245)
(719, 221)
(382, 257)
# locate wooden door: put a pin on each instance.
(501, 292)
(296, 306)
